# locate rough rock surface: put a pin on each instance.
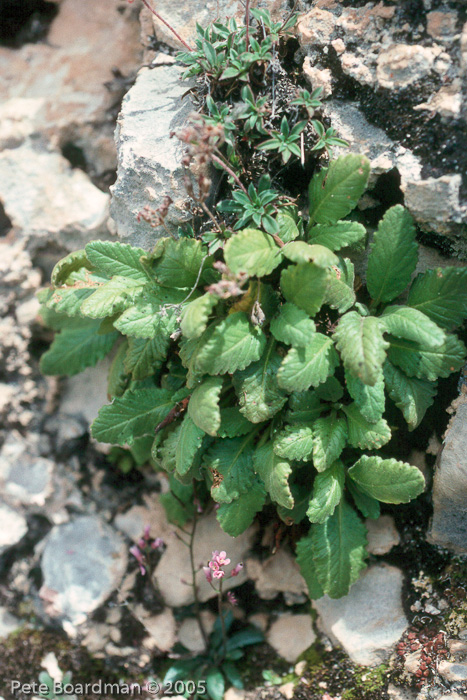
(369, 620)
(290, 635)
(449, 524)
(26, 476)
(82, 563)
(175, 561)
(13, 527)
(8, 623)
(148, 159)
(278, 574)
(382, 535)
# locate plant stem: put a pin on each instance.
(161, 19)
(193, 580)
(229, 170)
(247, 23)
(221, 615)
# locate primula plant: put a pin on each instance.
(261, 374)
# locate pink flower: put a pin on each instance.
(236, 570)
(231, 598)
(207, 573)
(139, 556)
(158, 543)
(222, 559)
(218, 574)
(146, 532)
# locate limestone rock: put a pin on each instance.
(318, 78)
(449, 523)
(162, 627)
(316, 27)
(86, 393)
(25, 475)
(189, 633)
(8, 623)
(290, 635)
(453, 672)
(46, 199)
(148, 159)
(369, 620)
(13, 527)
(404, 64)
(278, 574)
(82, 563)
(396, 693)
(175, 561)
(382, 535)
(441, 25)
(152, 513)
(435, 201)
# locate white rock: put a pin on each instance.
(287, 690)
(395, 693)
(369, 620)
(24, 474)
(316, 27)
(189, 633)
(260, 620)
(382, 535)
(83, 395)
(318, 78)
(152, 513)
(8, 623)
(356, 67)
(449, 523)
(148, 159)
(46, 199)
(441, 25)
(403, 64)
(13, 527)
(290, 635)
(434, 201)
(234, 694)
(453, 672)
(162, 627)
(279, 573)
(82, 563)
(175, 561)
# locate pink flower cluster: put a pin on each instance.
(144, 546)
(214, 569)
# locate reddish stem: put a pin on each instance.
(229, 170)
(161, 19)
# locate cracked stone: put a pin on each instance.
(453, 672)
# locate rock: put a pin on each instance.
(435, 201)
(441, 25)
(82, 563)
(278, 574)
(189, 633)
(260, 620)
(446, 102)
(24, 474)
(13, 527)
(162, 627)
(84, 394)
(403, 64)
(395, 693)
(148, 159)
(64, 87)
(316, 27)
(287, 690)
(369, 620)
(449, 523)
(175, 561)
(152, 513)
(290, 635)
(382, 535)
(234, 694)
(8, 623)
(453, 672)
(46, 199)
(452, 696)
(183, 17)
(318, 78)
(354, 66)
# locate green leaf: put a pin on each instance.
(178, 503)
(246, 637)
(370, 400)
(114, 258)
(329, 439)
(180, 670)
(328, 488)
(257, 390)
(331, 390)
(369, 507)
(179, 262)
(144, 356)
(189, 442)
(387, 480)
(274, 471)
(301, 496)
(288, 229)
(233, 424)
(232, 460)
(310, 366)
(340, 290)
(117, 379)
(136, 413)
(294, 442)
(253, 252)
(230, 345)
(338, 235)
(164, 454)
(76, 347)
(111, 297)
(335, 191)
(416, 361)
(195, 315)
(305, 286)
(362, 346)
(232, 674)
(393, 255)
(307, 567)
(235, 517)
(147, 317)
(362, 433)
(305, 407)
(412, 396)
(441, 294)
(339, 550)
(71, 263)
(68, 300)
(203, 407)
(301, 252)
(293, 326)
(412, 324)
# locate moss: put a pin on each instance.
(312, 656)
(368, 683)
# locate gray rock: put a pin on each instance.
(290, 635)
(278, 574)
(13, 527)
(404, 64)
(453, 672)
(82, 563)
(8, 623)
(25, 475)
(86, 393)
(370, 619)
(449, 523)
(382, 535)
(174, 564)
(48, 200)
(395, 693)
(148, 159)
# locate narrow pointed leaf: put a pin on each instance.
(417, 361)
(308, 568)
(77, 347)
(370, 400)
(412, 324)
(189, 442)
